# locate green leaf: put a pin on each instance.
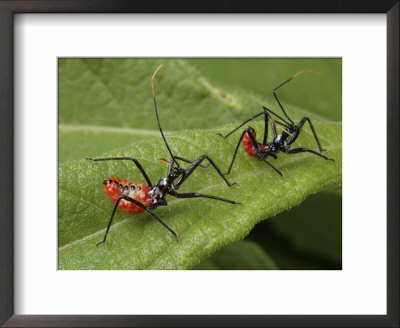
(239, 255)
(203, 225)
(117, 93)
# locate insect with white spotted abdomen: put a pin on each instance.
(135, 197)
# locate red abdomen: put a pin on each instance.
(248, 144)
(115, 187)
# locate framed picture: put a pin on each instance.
(89, 129)
(117, 116)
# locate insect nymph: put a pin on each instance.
(281, 142)
(135, 197)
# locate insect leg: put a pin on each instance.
(195, 195)
(236, 150)
(270, 112)
(146, 177)
(285, 126)
(109, 223)
(300, 125)
(190, 162)
(266, 119)
(303, 150)
(262, 156)
(195, 164)
(141, 206)
(238, 127)
(273, 126)
(271, 165)
(154, 215)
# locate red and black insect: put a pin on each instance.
(281, 142)
(135, 197)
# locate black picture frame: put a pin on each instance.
(7, 11)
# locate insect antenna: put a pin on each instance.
(288, 80)
(306, 71)
(158, 120)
